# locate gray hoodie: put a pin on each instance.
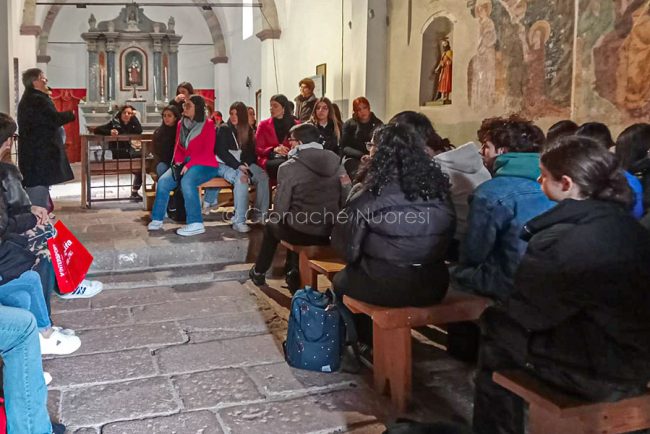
(310, 192)
(466, 171)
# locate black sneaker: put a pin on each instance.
(58, 428)
(259, 279)
(135, 197)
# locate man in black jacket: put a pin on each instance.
(41, 158)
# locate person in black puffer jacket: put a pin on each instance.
(397, 227)
(632, 147)
(578, 319)
(124, 122)
(356, 133)
(164, 139)
(324, 118)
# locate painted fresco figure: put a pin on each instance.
(482, 68)
(444, 69)
(633, 86)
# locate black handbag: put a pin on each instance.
(15, 258)
(176, 205)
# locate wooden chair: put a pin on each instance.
(326, 267)
(551, 411)
(305, 253)
(392, 336)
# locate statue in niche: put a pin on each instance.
(482, 67)
(171, 24)
(92, 22)
(442, 89)
(134, 72)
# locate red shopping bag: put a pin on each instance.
(70, 258)
(3, 417)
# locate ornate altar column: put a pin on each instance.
(110, 66)
(157, 66)
(173, 68)
(94, 71)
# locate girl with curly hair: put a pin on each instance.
(394, 232)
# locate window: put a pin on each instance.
(247, 19)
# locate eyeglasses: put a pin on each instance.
(369, 146)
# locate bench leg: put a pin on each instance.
(305, 271)
(392, 363)
(314, 279)
(540, 421)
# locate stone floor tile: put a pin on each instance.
(127, 337)
(60, 305)
(85, 431)
(100, 404)
(212, 289)
(254, 350)
(130, 297)
(230, 325)
(53, 404)
(99, 368)
(318, 413)
(215, 388)
(203, 422)
(186, 309)
(92, 319)
(280, 378)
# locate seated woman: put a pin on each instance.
(164, 139)
(194, 152)
(272, 136)
(400, 224)
(356, 132)
(324, 118)
(124, 122)
(252, 118)
(235, 148)
(578, 319)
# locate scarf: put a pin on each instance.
(189, 130)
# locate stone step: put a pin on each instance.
(171, 276)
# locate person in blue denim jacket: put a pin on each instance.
(499, 208)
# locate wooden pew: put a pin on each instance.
(327, 267)
(392, 356)
(551, 411)
(305, 253)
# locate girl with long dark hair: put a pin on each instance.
(164, 139)
(272, 136)
(577, 319)
(324, 118)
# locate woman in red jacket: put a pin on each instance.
(194, 151)
(272, 136)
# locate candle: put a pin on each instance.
(109, 87)
(101, 81)
(155, 89)
(165, 81)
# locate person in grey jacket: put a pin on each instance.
(312, 186)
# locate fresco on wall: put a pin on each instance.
(523, 61)
(615, 48)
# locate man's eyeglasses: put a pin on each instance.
(369, 146)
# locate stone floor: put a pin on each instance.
(173, 347)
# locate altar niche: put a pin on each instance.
(436, 84)
(134, 69)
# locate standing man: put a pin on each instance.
(306, 100)
(41, 155)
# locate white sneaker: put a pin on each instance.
(155, 225)
(68, 332)
(191, 229)
(47, 377)
(207, 207)
(59, 344)
(241, 227)
(86, 289)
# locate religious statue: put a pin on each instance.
(442, 89)
(171, 24)
(92, 21)
(134, 72)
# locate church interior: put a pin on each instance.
(184, 333)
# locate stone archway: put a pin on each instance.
(270, 22)
(28, 26)
(211, 19)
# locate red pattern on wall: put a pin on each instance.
(66, 100)
(208, 95)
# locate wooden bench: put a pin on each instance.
(326, 267)
(305, 253)
(391, 338)
(551, 411)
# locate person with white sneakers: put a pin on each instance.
(194, 156)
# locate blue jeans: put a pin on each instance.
(190, 182)
(240, 192)
(26, 292)
(262, 199)
(161, 168)
(24, 386)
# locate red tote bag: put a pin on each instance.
(70, 258)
